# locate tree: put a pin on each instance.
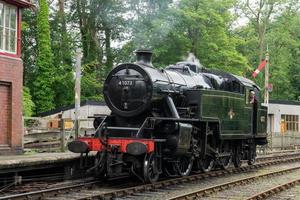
(99, 22)
(28, 105)
(285, 48)
(91, 83)
(43, 94)
(260, 14)
(29, 46)
(268, 24)
(200, 27)
(62, 47)
(206, 23)
(108, 31)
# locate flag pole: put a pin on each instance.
(266, 99)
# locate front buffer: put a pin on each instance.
(120, 156)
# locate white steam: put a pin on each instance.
(192, 58)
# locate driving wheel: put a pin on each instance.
(184, 165)
(225, 162)
(208, 164)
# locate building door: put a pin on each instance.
(5, 113)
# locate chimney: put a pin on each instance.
(144, 56)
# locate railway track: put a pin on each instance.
(93, 190)
(286, 191)
(276, 189)
(222, 191)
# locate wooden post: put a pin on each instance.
(62, 135)
(77, 91)
(266, 97)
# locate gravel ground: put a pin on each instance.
(234, 193)
(248, 190)
(290, 194)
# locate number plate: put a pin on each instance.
(127, 83)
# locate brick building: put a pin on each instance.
(11, 75)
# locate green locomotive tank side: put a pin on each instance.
(234, 114)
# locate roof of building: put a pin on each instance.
(285, 102)
(68, 107)
(20, 3)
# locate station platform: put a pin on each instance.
(15, 163)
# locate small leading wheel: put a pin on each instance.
(207, 164)
(100, 164)
(151, 173)
(184, 165)
(225, 162)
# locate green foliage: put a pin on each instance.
(91, 82)
(62, 47)
(29, 46)
(200, 27)
(43, 93)
(284, 48)
(28, 105)
(108, 32)
(280, 59)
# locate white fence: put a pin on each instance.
(283, 141)
(52, 134)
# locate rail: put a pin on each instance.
(210, 190)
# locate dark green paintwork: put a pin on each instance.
(262, 121)
(233, 112)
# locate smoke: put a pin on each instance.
(153, 23)
(192, 58)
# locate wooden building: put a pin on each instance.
(11, 76)
(87, 109)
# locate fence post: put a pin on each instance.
(62, 134)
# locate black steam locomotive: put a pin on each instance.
(174, 120)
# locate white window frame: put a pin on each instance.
(4, 27)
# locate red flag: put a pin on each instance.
(260, 67)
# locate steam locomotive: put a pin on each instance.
(173, 121)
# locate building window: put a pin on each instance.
(289, 123)
(8, 28)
